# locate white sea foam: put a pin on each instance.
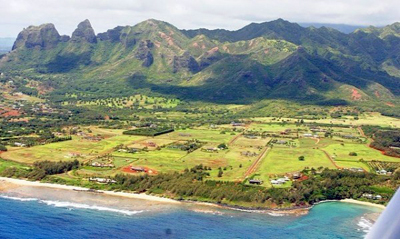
(90, 207)
(18, 198)
(276, 214)
(71, 205)
(365, 225)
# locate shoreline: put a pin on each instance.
(348, 200)
(298, 211)
(21, 182)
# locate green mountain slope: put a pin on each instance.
(272, 60)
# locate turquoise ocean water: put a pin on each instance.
(38, 218)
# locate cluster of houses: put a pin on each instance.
(211, 149)
(151, 144)
(255, 181)
(138, 169)
(236, 124)
(102, 165)
(248, 154)
(280, 181)
(250, 136)
(371, 196)
(102, 180)
(383, 172)
(308, 135)
(281, 142)
(348, 136)
(43, 108)
(318, 130)
(18, 144)
(355, 169)
(89, 137)
(286, 131)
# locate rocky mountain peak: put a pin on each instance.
(44, 36)
(84, 32)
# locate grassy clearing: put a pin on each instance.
(370, 118)
(341, 152)
(68, 150)
(242, 141)
(353, 164)
(6, 164)
(280, 161)
(275, 127)
(212, 136)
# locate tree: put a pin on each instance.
(3, 148)
(223, 146)
(301, 158)
(220, 173)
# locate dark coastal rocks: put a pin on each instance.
(43, 36)
(84, 32)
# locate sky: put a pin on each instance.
(190, 14)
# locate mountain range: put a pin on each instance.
(271, 60)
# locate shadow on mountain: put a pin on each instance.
(67, 62)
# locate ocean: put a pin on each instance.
(50, 215)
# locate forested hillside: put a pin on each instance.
(271, 60)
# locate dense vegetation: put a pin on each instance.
(149, 131)
(386, 140)
(41, 169)
(193, 184)
(273, 60)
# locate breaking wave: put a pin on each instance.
(19, 199)
(365, 225)
(91, 207)
(72, 205)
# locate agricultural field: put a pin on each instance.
(247, 155)
(285, 159)
(370, 118)
(276, 127)
(341, 151)
(206, 135)
(77, 148)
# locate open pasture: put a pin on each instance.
(341, 152)
(284, 160)
(276, 127)
(242, 141)
(204, 135)
(369, 118)
(77, 148)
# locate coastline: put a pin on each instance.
(21, 182)
(296, 211)
(363, 203)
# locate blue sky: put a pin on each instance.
(188, 14)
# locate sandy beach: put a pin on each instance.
(20, 182)
(363, 203)
(7, 184)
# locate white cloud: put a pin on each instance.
(228, 14)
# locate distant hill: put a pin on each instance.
(6, 44)
(340, 27)
(271, 60)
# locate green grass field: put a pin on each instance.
(67, 150)
(235, 161)
(341, 152)
(205, 135)
(283, 160)
(370, 118)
